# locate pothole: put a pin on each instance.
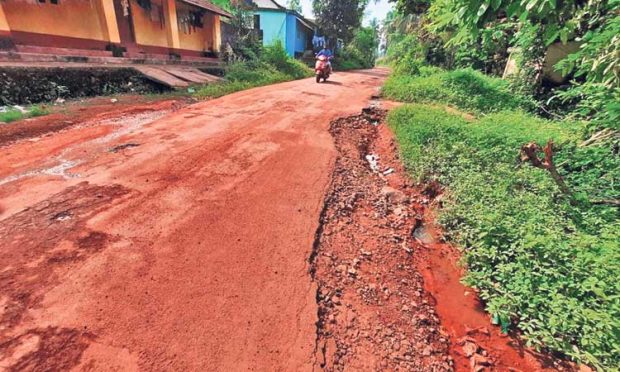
(373, 311)
(124, 146)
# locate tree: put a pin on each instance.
(224, 4)
(412, 6)
(294, 5)
(241, 41)
(339, 18)
(366, 41)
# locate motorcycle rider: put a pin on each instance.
(327, 53)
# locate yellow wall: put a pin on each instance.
(77, 19)
(200, 39)
(146, 31)
(107, 19)
(4, 24)
(95, 20)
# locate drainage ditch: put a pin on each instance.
(373, 311)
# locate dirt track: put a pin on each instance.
(245, 233)
(171, 240)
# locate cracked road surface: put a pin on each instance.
(171, 239)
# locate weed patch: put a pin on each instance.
(466, 89)
(10, 116)
(273, 66)
(543, 266)
(14, 115)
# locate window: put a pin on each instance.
(256, 21)
(190, 20)
(196, 19)
(55, 2)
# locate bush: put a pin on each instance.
(37, 111)
(542, 265)
(466, 89)
(275, 56)
(241, 76)
(14, 115)
(222, 89)
(10, 116)
(350, 59)
(408, 65)
(250, 72)
(594, 102)
(361, 52)
(403, 49)
(273, 66)
(429, 70)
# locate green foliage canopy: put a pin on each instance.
(412, 6)
(339, 18)
(596, 23)
(294, 5)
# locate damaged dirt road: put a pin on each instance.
(172, 239)
(253, 232)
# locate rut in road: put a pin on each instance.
(373, 311)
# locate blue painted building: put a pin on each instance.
(278, 23)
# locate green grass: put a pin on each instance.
(466, 89)
(14, 115)
(347, 65)
(242, 76)
(222, 89)
(10, 116)
(542, 265)
(274, 66)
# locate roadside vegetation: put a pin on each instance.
(467, 89)
(342, 20)
(361, 52)
(529, 171)
(249, 64)
(269, 66)
(13, 114)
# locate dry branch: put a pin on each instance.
(601, 136)
(530, 152)
(612, 202)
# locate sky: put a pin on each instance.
(378, 10)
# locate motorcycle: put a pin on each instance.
(322, 68)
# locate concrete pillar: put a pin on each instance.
(217, 33)
(107, 18)
(172, 25)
